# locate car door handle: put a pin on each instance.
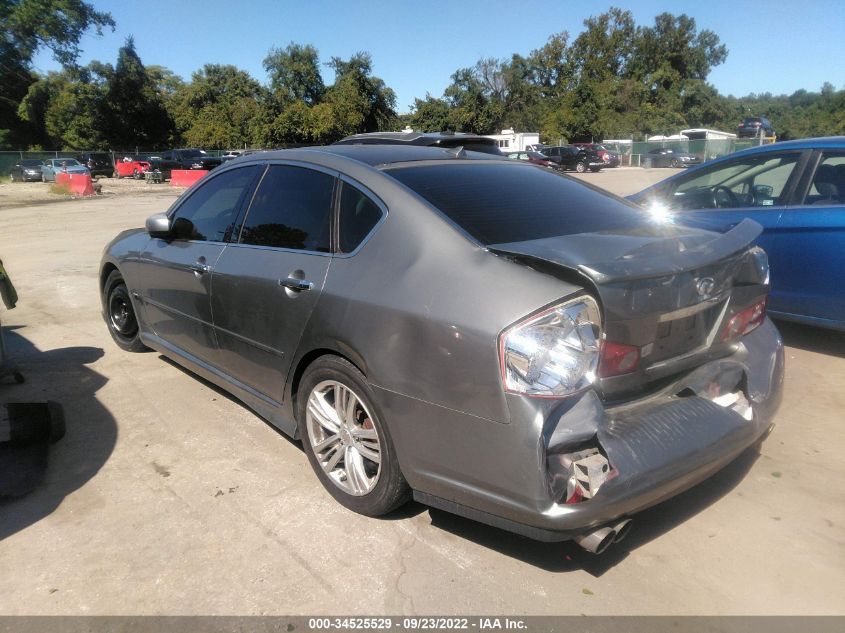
(200, 269)
(295, 284)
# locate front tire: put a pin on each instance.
(346, 441)
(120, 314)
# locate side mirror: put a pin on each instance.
(158, 225)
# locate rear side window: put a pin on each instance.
(498, 203)
(291, 209)
(828, 184)
(358, 215)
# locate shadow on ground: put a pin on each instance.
(62, 375)
(567, 556)
(812, 339)
(646, 526)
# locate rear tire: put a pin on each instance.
(349, 432)
(120, 314)
(675, 163)
(581, 167)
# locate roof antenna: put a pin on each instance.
(458, 151)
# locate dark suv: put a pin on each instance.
(570, 157)
(98, 163)
(192, 158)
(470, 142)
(611, 159)
(752, 126)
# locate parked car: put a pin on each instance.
(753, 126)
(26, 170)
(535, 158)
(570, 157)
(192, 158)
(52, 166)
(668, 157)
(796, 191)
(558, 362)
(469, 142)
(131, 167)
(611, 159)
(98, 163)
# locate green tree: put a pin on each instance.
(25, 27)
(75, 116)
(136, 114)
(429, 114)
(363, 100)
(219, 107)
(295, 73)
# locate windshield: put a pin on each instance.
(68, 162)
(505, 202)
(193, 153)
(30, 163)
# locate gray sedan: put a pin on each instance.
(488, 337)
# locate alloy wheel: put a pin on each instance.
(343, 437)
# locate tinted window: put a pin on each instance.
(358, 215)
(211, 211)
(828, 185)
(498, 203)
(291, 209)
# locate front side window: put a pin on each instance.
(358, 215)
(210, 213)
(754, 181)
(292, 209)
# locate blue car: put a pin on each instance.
(796, 191)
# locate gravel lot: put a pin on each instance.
(169, 497)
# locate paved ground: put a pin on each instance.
(168, 497)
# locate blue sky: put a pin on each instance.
(776, 46)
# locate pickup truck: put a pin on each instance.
(185, 159)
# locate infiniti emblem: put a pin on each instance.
(705, 286)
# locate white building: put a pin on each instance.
(702, 133)
(510, 141)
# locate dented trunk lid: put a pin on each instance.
(665, 289)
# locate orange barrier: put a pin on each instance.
(186, 177)
(79, 184)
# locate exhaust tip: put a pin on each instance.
(596, 541)
(621, 529)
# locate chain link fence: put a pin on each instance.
(635, 153)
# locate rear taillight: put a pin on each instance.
(618, 359)
(553, 354)
(744, 322)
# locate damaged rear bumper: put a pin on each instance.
(656, 447)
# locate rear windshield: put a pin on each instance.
(498, 203)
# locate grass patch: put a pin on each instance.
(63, 189)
